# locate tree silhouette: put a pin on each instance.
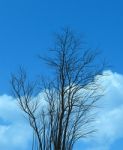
(66, 112)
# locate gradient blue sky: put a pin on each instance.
(27, 26)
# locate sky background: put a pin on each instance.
(26, 30)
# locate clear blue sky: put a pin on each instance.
(27, 26)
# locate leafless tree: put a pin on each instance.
(65, 114)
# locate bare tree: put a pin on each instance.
(70, 97)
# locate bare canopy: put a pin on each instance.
(70, 97)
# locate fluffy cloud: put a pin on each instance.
(15, 132)
(110, 118)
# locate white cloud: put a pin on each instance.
(15, 132)
(110, 118)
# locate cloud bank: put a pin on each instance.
(110, 118)
(15, 133)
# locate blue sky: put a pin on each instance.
(27, 27)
